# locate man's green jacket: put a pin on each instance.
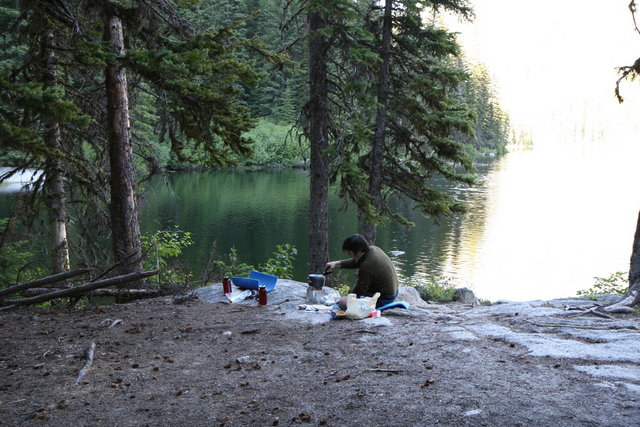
(376, 273)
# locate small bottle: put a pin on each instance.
(226, 285)
(262, 295)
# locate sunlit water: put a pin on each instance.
(542, 224)
(545, 223)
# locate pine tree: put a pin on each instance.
(632, 298)
(318, 133)
(35, 115)
(492, 129)
(54, 169)
(196, 77)
(411, 139)
(125, 225)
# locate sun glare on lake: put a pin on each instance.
(564, 212)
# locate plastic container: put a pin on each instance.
(360, 308)
(254, 281)
(314, 295)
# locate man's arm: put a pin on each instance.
(345, 263)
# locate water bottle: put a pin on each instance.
(226, 285)
(262, 295)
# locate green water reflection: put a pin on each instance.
(254, 211)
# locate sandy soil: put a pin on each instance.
(202, 364)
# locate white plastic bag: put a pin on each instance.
(237, 296)
(361, 308)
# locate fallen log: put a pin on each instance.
(128, 293)
(77, 290)
(43, 281)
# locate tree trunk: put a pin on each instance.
(319, 140)
(632, 297)
(54, 172)
(634, 270)
(377, 149)
(125, 227)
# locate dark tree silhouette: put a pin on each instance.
(632, 296)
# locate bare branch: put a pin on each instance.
(633, 9)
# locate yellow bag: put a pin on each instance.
(361, 308)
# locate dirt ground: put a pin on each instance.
(200, 364)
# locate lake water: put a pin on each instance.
(540, 225)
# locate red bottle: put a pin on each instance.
(262, 295)
(226, 285)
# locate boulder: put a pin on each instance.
(411, 295)
(465, 296)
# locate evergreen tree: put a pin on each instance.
(196, 78)
(36, 117)
(318, 133)
(492, 129)
(54, 169)
(125, 225)
(282, 92)
(411, 139)
(632, 298)
(331, 25)
(197, 74)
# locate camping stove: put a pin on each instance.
(315, 294)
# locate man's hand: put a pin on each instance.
(330, 266)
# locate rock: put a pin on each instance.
(465, 296)
(376, 321)
(288, 294)
(285, 290)
(411, 296)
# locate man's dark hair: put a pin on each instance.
(355, 243)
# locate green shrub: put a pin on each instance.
(615, 284)
(342, 289)
(432, 288)
(17, 260)
(229, 265)
(281, 264)
(162, 246)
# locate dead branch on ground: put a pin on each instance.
(88, 355)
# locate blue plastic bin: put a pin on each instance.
(254, 281)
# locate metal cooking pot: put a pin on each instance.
(316, 280)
